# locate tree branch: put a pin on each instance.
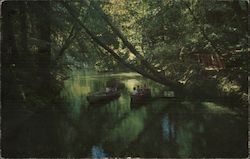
(174, 85)
(214, 46)
(66, 43)
(145, 63)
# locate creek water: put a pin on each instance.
(160, 128)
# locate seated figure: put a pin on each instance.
(134, 92)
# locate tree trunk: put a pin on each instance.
(8, 45)
(10, 78)
(66, 43)
(44, 50)
(24, 51)
(174, 85)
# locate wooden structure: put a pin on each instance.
(210, 61)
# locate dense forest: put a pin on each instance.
(196, 48)
(54, 54)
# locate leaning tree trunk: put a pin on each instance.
(173, 84)
(151, 74)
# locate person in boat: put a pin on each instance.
(139, 89)
(108, 90)
(145, 87)
(134, 92)
(114, 89)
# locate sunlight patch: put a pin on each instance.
(214, 108)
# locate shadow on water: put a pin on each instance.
(161, 128)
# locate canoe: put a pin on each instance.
(141, 98)
(103, 96)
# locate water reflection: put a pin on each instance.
(161, 128)
(158, 129)
(166, 128)
(125, 131)
(97, 152)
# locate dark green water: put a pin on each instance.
(162, 128)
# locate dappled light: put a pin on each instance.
(119, 79)
(217, 109)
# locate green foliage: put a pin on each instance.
(161, 31)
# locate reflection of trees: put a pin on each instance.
(124, 133)
(133, 129)
(163, 129)
(96, 123)
(97, 152)
(166, 128)
(188, 131)
(181, 133)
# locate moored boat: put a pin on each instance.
(103, 96)
(141, 97)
